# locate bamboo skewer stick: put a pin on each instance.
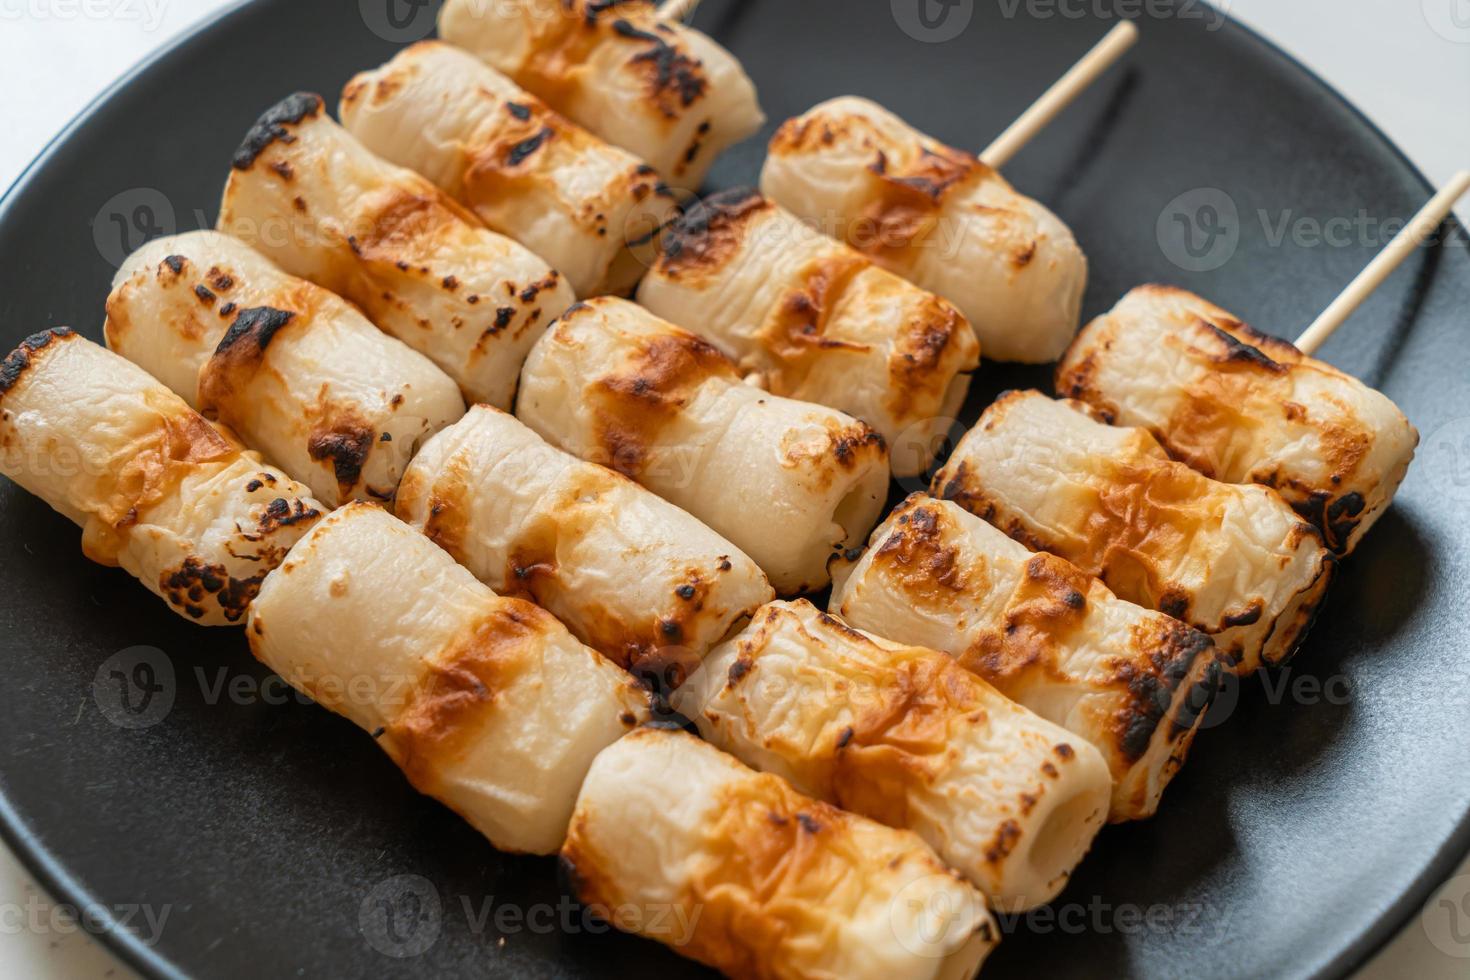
(677, 9)
(1065, 90)
(1403, 245)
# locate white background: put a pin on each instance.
(1387, 56)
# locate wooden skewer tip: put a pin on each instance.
(677, 9)
(1062, 94)
(1404, 244)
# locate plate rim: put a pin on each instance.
(63, 888)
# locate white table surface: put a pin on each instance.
(1406, 63)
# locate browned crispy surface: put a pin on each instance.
(647, 392)
(445, 715)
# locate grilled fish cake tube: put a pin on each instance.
(676, 841)
(905, 736)
(1133, 682)
(589, 208)
(154, 487)
(630, 574)
(295, 370)
(663, 91)
(938, 217)
(310, 197)
(788, 482)
(1232, 561)
(814, 320)
(487, 704)
(1243, 407)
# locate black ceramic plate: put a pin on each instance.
(1306, 827)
